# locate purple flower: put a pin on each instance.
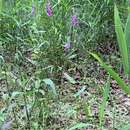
(33, 9)
(74, 20)
(48, 9)
(67, 46)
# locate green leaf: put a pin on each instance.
(127, 37)
(104, 103)
(114, 75)
(50, 83)
(121, 40)
(12, 18)
(1, 60)
(78, 126)
(72, 56)
(2, 116)
(16, 93)
(37, 84)
(87, 110)
(96, 57)
(80, 91)
(70, 79)
(1, 6)
(32, 61)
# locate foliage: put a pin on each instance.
(114, 75)
(44, 81)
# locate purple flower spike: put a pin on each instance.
(48, 9)
(67, 46)
(74, 20)
(33, 9)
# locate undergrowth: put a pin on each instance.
(48, 81)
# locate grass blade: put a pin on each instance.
(80, 91)
(112, 73)
(79, 126)
(121, 40)
(104, 103)
(70, 79)
(127, 37)
(0, 6)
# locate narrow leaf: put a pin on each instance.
(79, 126)
(127, 37)
(1, 6)
(16, 93)
(80, 91)
(104, 103)
(50, 83)
(70, 79)
(114, 75)
(121, 40)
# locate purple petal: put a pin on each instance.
(48, 9)
(74, 20)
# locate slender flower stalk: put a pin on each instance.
(48, 9)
